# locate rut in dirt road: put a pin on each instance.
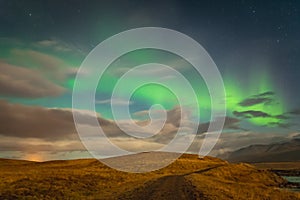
(168, 187)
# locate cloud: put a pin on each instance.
(22, 82)
(122, 66)
(281, 124)
(57, 124)
(34, 145)
(269, 93)
(254, 101)
(32, 74)
(51, 124)
(251, 114)
(24, 121)
(282, 116)
(116, 102)
(294, 112)
(50, 66)
(229, 123)
(33, 129)
(35, 122)
(55, 45)
(174, 116)
(265, 98)
(45, 123)
(282, 119)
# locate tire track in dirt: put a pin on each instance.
(175, 187)
(167, 187)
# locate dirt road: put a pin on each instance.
(168, 187)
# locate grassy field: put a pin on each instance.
(187, 178)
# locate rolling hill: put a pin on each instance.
(189, 177)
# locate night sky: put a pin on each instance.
(255, 44)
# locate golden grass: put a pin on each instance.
(89, 179)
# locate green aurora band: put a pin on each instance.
(150, 94)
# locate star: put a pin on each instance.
(30, 14)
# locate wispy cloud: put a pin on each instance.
(22, 82)
(251, 114)
(115, 101)
(265, 98)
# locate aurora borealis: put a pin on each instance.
(42, 45)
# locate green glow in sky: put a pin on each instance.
(259, 84)
(156, 94)
(238, 87)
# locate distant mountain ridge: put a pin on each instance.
(275, 152)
